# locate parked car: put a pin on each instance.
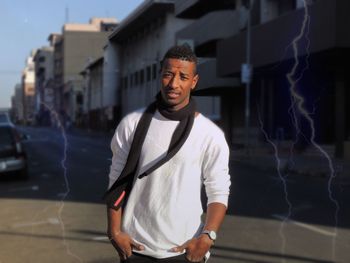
(13, 159)
(4, 117)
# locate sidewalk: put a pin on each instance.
(310, 163)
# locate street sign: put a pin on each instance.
(246, 73)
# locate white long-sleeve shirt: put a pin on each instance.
(164, 208)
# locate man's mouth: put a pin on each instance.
(172, 94)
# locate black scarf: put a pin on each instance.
(118, 194)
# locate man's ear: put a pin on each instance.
(195, 81)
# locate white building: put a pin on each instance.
(28, 86)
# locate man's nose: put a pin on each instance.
(174, 82)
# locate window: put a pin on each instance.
(80, 99)
(154, 71)
(148, 73)
(125, 84)
(286, 6)
(131, 78)
(136, 76)
(142, 77)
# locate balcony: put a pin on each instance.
(271, 41)
(209, 83)
(192, 9)
(207, 30)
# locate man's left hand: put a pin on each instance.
(196, 248)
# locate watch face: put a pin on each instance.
(212, 235)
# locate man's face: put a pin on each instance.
(178, 79)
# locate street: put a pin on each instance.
(57, 215)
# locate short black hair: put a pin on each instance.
(183, 52)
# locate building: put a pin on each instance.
(320, 78)
(94, 109)
(28, 87)
(137, 45)
(77, 46)
(55, 40)
(219, 33)
(111, 89)
(212, 22)
(44, 87)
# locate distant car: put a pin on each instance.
(13, 159)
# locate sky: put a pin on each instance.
(26, 25)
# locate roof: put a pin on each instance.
(143, 14)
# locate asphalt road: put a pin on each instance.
(57, 214)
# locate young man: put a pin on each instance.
(159, 165)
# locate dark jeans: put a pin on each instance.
(138, 258)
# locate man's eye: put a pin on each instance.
(184, 78)
(166, 75)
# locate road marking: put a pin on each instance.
(100, 238)
(32, 188)
(51, 221)
(307, 226)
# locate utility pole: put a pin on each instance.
(67, 15)
(247, 76)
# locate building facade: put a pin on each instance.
(78, 45)
(314, 69)
(138, 44)
(28, 87)
(94, 109)
(44, 85)
(219, 34)
(212, 21)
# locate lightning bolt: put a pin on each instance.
(64, 194)
(284, 183)
(292, 110)
(298, 105)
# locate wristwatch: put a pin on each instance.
(210, 233)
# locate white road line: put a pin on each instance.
(32, 188)
(100, 238)
(51, 221)
(307, 226)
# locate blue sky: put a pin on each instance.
(25, 25)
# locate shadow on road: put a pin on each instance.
(254, 193)
(243, 255)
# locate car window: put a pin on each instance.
(6, 137)
(3, 118)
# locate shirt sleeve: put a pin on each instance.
(120, 146)
(216, 171)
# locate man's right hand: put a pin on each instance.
(124, 244)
